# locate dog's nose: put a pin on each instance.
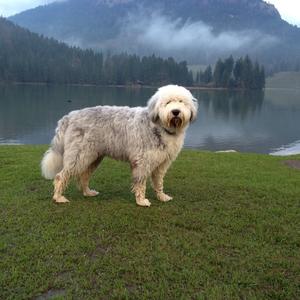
(175, 112)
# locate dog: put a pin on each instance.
(149, 138)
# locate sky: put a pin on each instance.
(11, 7)
(289, 9)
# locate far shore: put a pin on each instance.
(128, 86)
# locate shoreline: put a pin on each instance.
(284, 152)
(128, 86)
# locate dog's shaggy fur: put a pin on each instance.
(149, 138)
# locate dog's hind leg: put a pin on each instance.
(84, 178)
(60, 183)
(75, 161)
(158, 181)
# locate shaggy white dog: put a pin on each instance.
(149, 138)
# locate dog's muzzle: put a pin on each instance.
(176, 122)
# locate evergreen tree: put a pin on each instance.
(218, 73)
(206, 77)
(242, 74)
(262, 78)
(28, 57)
(247, 73)
(256, 81)
(237, 72)
(227, 72)
(198, 76)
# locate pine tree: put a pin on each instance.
(218, 72)
(262, 78)
(227, 72)
(197, 80)
(247, 73)
(237, 72)
(207, 77)
(256, 83)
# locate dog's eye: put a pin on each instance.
(180, 101)
(168, 102)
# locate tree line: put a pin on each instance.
(228, 73)
(29, 57)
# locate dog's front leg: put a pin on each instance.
(139, 176)
(158, 181)
(139, 189)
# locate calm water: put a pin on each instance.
(261, 122)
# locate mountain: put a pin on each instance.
(197, 30)
(29, 57)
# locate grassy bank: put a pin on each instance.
(231, 232)
(285, 80)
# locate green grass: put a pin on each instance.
(231, 232)
(286, 80)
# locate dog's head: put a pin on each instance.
(173, 106)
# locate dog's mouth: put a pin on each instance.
(176, 122)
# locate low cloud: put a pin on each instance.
(146, 34)
(160, 34)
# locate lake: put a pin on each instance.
(252, 121)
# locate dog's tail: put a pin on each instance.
(52, 162)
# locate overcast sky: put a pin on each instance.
(289, 9)
(11, 7)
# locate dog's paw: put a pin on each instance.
(143, 202)
(164, 197)
(61, 199)
(90, 193)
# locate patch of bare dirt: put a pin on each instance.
(51, 294)
(295, 164)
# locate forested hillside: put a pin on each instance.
(28, 57)
(199, 31)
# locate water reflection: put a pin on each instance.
(28, 114)
(231, 104)
(244, 121)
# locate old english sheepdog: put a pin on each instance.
(149, 138)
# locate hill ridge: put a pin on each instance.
(207, 29)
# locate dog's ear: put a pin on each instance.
(194, 110)
(192, 116)
(153, 108)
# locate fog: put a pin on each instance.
(164, 36)
(192, 41)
